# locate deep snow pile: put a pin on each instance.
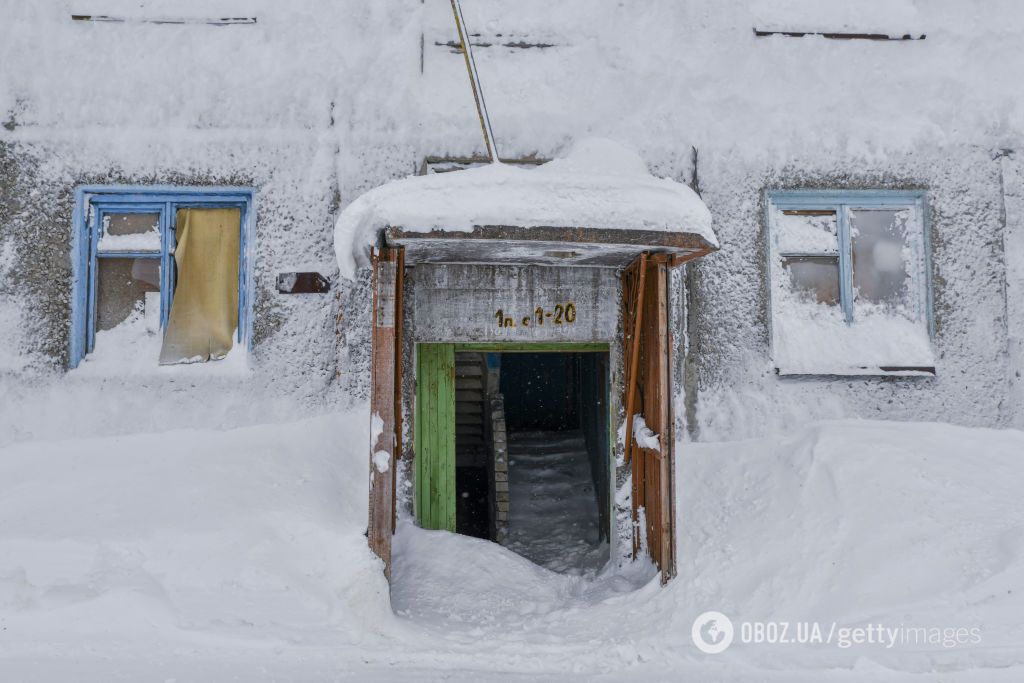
(244, 550)
(150, 538)
(598, 184)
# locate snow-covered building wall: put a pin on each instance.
(317, 102)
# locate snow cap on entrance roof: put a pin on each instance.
(599, 184)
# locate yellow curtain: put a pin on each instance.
(204, 311)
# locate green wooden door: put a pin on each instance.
(434, 436)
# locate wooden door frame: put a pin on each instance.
(385, 398)
(420, 467)
(648, 355)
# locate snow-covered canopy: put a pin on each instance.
(600, 184)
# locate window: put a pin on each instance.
(849, 283)
(139, 251)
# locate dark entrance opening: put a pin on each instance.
(532, 452)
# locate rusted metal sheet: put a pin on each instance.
(384, 397)
(447, 164)
(840, 35)
(476, 41)
(645, 313)
(302, 283)
(482, 303)
(540, 245)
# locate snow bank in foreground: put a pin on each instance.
(245, 549)
(857, 523)
(914, 524)
(188, 535)
(599, 184)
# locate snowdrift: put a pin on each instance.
(247, 547)
(599, 184)
(154, 537)
(857, 522)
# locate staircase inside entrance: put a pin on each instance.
(531, 455)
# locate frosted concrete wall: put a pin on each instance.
(320, 101)
(1013, 246)
(461, 302)
(737, 392)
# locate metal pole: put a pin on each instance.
(474, 81)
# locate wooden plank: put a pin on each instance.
(423, 446)
(568, 237)
(633, 362)
(382, 406)
(399, 326)
(533, 347)
(446, 397)
(209, 21)
(435, 436)
(840, 35)
(399, 337)
(648, 367)
(663, 522)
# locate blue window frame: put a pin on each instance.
(831, 247)
(94, 205)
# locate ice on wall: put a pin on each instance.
(321, 101)
(1013, 242)
(737, 391)
(12, 315)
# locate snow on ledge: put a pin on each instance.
(599, 184)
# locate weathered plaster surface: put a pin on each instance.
(737, 393)
(1012, 167)
(462, 301)
(316, 107)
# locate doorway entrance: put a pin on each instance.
(631, 309)
(513, 444)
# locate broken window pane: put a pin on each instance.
(814, 277)
(121, 286)
(807, 232)
(130, 232)
(879, 255)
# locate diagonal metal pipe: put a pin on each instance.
(474, 81)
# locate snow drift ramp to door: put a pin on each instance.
(598, 206)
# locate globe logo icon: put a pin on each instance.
(712, 632)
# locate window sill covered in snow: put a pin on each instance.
(815, 340)
(599, 184)
(132, 349)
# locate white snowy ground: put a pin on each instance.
(200, 555)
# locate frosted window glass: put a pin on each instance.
(880, 256)
(807, 232)
(814, 277)
(121, 286)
